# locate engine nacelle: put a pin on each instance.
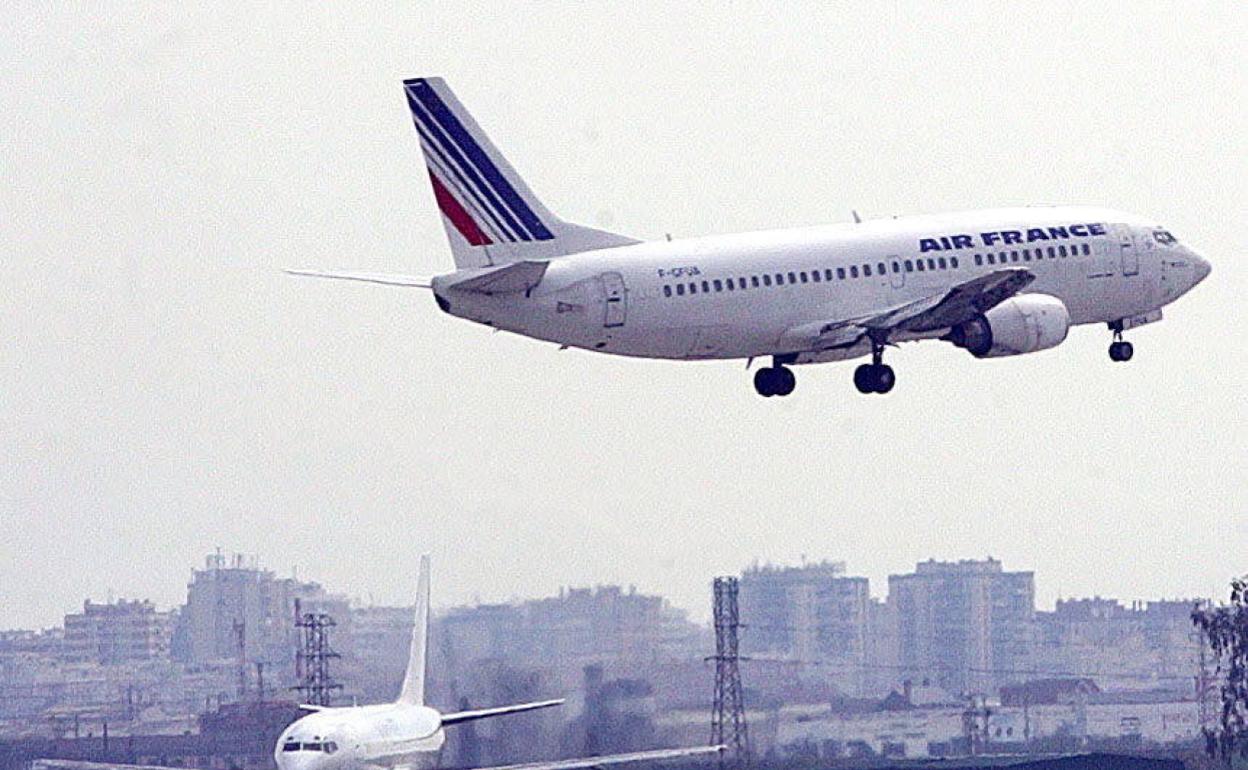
(1023, 324)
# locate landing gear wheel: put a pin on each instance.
(785, 381)
(864, 379)
(874, 378)
(885, 379)
(764, 383)
(1121, 351)
(774, 381)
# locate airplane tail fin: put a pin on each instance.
(490, 215)
(413, 692)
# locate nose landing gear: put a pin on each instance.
(1119, 349)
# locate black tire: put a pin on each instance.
(864, 378)
(1125, 351)
(765, 382)
(885, 378)
(785, 382)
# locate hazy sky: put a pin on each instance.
(165, 389)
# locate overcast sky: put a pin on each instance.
(165, 389)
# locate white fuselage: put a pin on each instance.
(736, 296)
(392, 735)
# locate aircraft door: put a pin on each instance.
(896, 273)
(615, 298)
(1128, 251)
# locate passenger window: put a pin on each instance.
(1026, 255)
(792, 278)
(1061, 251)
(667, 291)
(909, 266)
(1013, 256)
(931, 263)
(766, 280)
(1086, 250)
(802, 275)
(814, 276)
(953, 262)
(754, 281)
(918, 264)
(827, 274)
(693, 288)
(853, 271)
(706, 287)
(1052, 252)
(979, 260)
(941, 262)
(896, 267)
(728, 282)
(840, 273)
(719, 285)
(779, 279)
(680, 289)
(866, 270)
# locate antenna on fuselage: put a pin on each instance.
(857, 219)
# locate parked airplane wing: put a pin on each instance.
(468, 716)
(611, 759)
(388, 279)
(936, 311)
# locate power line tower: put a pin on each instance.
(313, 656)
(728, 727)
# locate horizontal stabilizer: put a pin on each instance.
(468, 716)
(516, 277)
(611, 759)
(387, 279)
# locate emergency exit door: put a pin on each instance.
(615, 298)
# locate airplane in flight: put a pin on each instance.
(998, 282)
(409, 734)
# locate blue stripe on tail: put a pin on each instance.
(463, 141)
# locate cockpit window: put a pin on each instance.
(330, 747)
(1164, 237)
(312, 747)
(290, 746)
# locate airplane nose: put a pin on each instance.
(1201, 268)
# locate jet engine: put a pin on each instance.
(1023, 324)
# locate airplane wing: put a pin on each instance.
(468, 716)
(387, 279)
(611, 759)
(936, 311)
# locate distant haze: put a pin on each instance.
(165, 389)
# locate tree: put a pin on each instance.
(1225, 630)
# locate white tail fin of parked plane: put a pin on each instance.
(491, 216)
(413, 692)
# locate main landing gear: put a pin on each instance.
(777, 380)
(877, 376)
(1119, 349)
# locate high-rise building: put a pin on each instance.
(235, 599)
(966, 626)
(117, 632)
(812, 614)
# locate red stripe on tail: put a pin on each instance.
(455, 212)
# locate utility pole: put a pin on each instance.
(313, 656)
(728, 726)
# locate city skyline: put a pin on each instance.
(366, 600)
